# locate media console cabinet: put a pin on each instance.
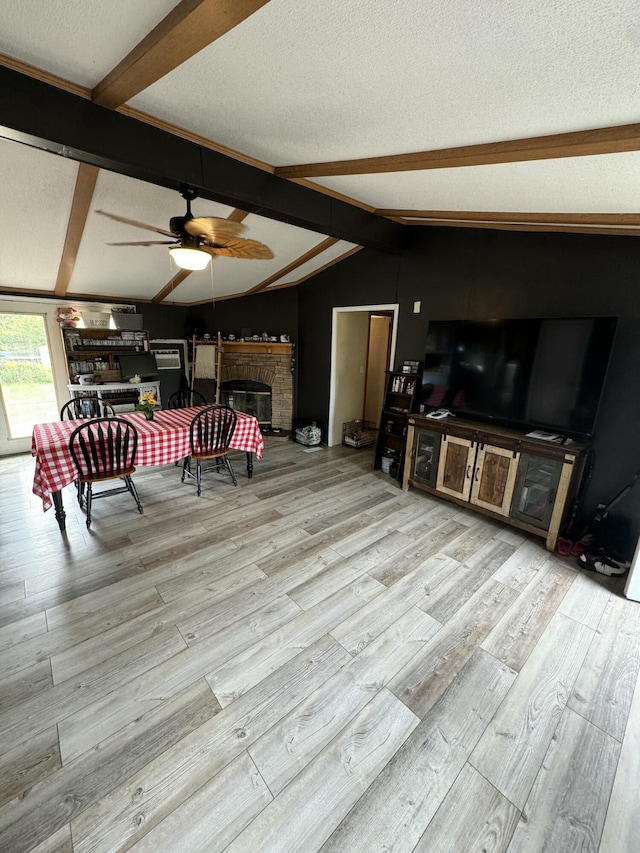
(526, 482)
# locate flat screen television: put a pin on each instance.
(142, 364)
(538, 374)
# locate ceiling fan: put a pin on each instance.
(195, 240)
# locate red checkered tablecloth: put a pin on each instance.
(163, 440)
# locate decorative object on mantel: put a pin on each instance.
(147, 404)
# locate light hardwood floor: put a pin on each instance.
(314, 660)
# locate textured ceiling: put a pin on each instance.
(325, 81)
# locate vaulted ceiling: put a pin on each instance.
(322, 126)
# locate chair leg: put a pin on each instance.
(134, 492)
(89, 498)
(227, 463)
(198, 476)
(186, 467)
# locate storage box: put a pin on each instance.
(127, 321)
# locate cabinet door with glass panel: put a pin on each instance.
(535, 490)
(426, 452)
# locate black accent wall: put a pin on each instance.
(473, 274)
(479, 274)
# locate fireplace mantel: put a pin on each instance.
(268, 347)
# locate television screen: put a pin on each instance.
(542, 373)
(142, 364)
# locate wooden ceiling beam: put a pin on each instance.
(82, 196)
(619, 219)
(312, 253)
(177, 279)
(582, 143)
(186, 30)
(530, 226)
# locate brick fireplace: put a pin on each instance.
(268, 363)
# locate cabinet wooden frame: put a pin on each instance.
(494, 479)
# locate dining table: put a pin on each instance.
(161, 440)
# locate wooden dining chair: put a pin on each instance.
(185, 398)
(104, 449)
(86, 406)
(210, 433)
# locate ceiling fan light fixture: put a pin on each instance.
(190, 259)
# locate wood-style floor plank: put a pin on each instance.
(26, 765)
(359, 638)
(622, 825)
(92, 724)
(308, 811)
(247, 669)
(214, 815)
(43, 709)
(513, 746)
(398, 807)
(473, 817)
(568, 802)
(604, 688)
(65, 795)
(421, 683)
(586, 600)
(360, 629)
(169, 780)
(287, 748)
(515, 635)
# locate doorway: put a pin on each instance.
(27, 389)
(363, 343)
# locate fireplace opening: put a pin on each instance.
(246, 395)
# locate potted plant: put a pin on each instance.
(147, 404)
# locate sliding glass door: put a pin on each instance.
(27, 390)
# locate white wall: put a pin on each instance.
(352, 336)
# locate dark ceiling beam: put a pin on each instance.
(186, 30)
(38, 114)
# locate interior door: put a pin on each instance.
(494, 478)
(457, 456)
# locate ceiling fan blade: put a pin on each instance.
(145, 243)
(240, 248)
(213, 229)
(135, 223)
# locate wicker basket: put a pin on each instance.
(358, 433)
